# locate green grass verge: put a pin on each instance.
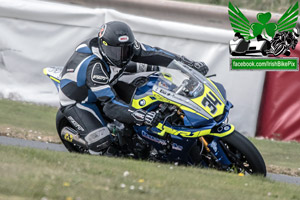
(279, 6)
(280, 157)
(26, 120)
(40, 174)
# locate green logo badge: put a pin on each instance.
(241, 24)
(263, 38)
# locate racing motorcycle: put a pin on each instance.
(194, 130)
(283, 41)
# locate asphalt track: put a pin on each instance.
(59, 147)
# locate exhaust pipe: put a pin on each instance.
(70, 135)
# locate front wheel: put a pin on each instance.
(279, 49)
(243, 154)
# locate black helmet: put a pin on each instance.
(116, 42)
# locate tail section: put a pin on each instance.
(54, 73)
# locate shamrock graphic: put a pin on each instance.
(258, 28)
(240, 23)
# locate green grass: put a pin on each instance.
(280, 154)
(279, 6)
(26, 120)
(36, 174)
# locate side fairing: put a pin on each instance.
(143, 96)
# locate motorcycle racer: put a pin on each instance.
(94, 68)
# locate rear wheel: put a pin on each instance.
(243, 154)
(70, 146)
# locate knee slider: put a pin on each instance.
(98, 139)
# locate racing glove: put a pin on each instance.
(199, 66)
(148, 118)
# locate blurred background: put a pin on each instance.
(37, 34)
(279, 6)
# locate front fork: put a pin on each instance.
(215, 150)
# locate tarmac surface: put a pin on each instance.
(59, 147)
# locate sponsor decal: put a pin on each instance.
(54, 69)
(162, 142)
(98, 75)
(75, 124)
(68, 137)
(102, 31)
(137, 115)
(165, 92)
(142, 102)
(105, 43)
(259, 43)
(70, 70)
(137, 45)
(99, 78)
(214, 146)
(123, 38)
(141, 67)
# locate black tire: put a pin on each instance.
(69, 146)
(243, 154)
(287, 53)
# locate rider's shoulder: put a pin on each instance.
(87, 46)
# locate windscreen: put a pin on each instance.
(178, 79)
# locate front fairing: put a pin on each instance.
(198, 97)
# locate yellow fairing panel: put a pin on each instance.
(196, 133)
(224, 133)
(183, 133)
(142, 102)
(163, 99)
(210, 102)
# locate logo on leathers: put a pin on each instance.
(75, 124)
(98, 75)
(99, 78)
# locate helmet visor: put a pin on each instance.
(119, 55)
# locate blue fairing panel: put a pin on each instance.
(147, 87)
(195, 120)
(180, 146)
